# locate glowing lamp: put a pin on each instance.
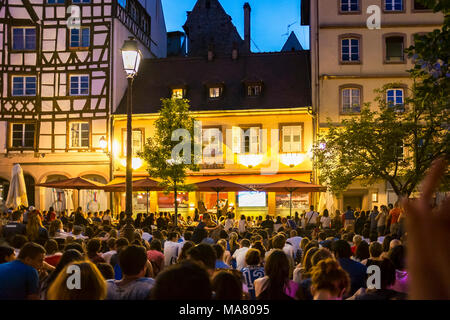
(131, 56)
(292, 159)
(250, 160)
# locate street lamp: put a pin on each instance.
(131, 56)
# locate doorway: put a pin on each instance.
(353, 201)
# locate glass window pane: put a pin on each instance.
(18, 39)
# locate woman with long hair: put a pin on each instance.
(35, 230)
(92, 285)
(56, 230)
(69, 256)
(276, 284)
(329, 281)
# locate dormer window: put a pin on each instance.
(178, 93)
(215, 92)
(253, 89)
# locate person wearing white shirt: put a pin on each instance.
(311, 217)
(172, 248)
(295, 241)
(325, 220)
(112, 250)
(242, 225)
(229, 223)
(240, 253)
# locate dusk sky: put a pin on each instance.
(269, 20)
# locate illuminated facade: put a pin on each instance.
(349, 61)
(59, 86)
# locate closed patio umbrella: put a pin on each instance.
(17, 194)
(291, 186)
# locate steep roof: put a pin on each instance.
(285, 78)
(292, 43)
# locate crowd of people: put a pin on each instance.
(310, 256)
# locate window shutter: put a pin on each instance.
(236, 132)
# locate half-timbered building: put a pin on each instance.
(61, 78)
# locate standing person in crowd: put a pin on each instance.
(381, 220)
(134, 284)
(325, 220)
(349, 218)
(311, 218)
(275, 285)
(19, 279)
(229, 223)
(252, 271)
(15, 226)
(394, 215)
(92, 283)
(242, 226)
(360, 222)
(373, 220)
(172, 249)
(278, 224)
(268, 224)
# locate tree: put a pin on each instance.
(174, 131)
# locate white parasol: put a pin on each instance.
(17, 194)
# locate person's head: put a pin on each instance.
(311, 208)
(375, 249)
(303, 243)
(319, 255)
(390, 206)
(279, 241)
(18, 241)
(322, 236)
(329, 281)
(325, 213)
(398, 257)
(132, 261)
(387, 269)
(173, 236)
(219, 251)
(394, 243)
(106, 270)
(183, 281)
(6, 254)
(55, 226)
(92, 284)
(387, 242)
(186, 246)
(341, 249)
(51, 246)
(293, 233)
(156, 245)
(33, 225)
(253, 257)
(204, 255)
(74, 246)
(307, 259)
(357, 239)
(32, 254)
(375, 208)
(245, 243)
(122, 243)
(226, 286)
(93, 246)
(278, 221)
(362, 251)
(111, 243)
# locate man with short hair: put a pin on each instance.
(134, 285)
(268, 224)
(311, 218)
(240, 253)
(204, 255)
(14, 227)
(172, 249)
(19, 279)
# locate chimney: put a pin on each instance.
(247, 10)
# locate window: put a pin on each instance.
(349, 5)
(393, 5)
(24, 38)
(215, 92)
(351, 100)
(81, 1)
(254, 90)
(394, 49)
(395, 98)
(211, 145)
(24, 85)
(79, 38)
(246, 139)
(22, 135)
(79, 135)
(177, 93)
(56, 1)
(79, 85)
(420, 6)
(291, 138)
(137, 141)
(350, 50)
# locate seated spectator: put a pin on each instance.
(106, 270)
(387, 282)
(69, 256)
(155, 256)
(93, 251)
(14, 227)
(375, 251)
(398, 257)
(19, 279)
(240, 253)
(6, 254)
(35, 230)
(183, 281)
(17, 242)
(53, 255)
(362, 251)
(121, 243)
(204, 255)
(56, 230)
(134, 285)
(357, 271)
(226, 286)
(172, 249)
(220, 264)
(91, 284)
(252, 271)
(275, 285)
(111, 243)
(329, 281)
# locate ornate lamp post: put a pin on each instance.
(131, 56)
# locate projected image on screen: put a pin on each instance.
(251, 199)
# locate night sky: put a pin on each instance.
(269, 20)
